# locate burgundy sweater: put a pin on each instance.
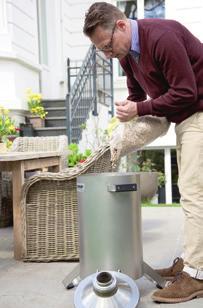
(169, 70)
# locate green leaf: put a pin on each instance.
(73, 147)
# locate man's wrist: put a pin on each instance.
(144, 108)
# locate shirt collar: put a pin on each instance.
(135, 47)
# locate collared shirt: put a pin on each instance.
(135, 46)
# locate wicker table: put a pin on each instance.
(18, 163)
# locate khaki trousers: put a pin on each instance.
(190, 165)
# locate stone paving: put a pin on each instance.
(39, 285)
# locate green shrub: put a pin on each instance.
(75, 156)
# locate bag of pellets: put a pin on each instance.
(127, 137)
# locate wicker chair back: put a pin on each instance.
(50, 211)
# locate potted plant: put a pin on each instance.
(7, 127)
(150, 178)
(75, 156)
(37, 112)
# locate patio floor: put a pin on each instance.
(38, 285)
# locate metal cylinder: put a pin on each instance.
(110, 223)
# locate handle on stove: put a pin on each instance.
(122, 187)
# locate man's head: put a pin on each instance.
(108, 29)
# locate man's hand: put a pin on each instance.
(126, 110)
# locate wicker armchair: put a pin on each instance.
(43, 144)
(27, 144)
(50, 213)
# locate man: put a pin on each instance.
(163, 60)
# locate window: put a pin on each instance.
(129, 8)
(139, 8)
(154, 8)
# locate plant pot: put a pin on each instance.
(36, 121)
(148, 184)
(26, 129)
(3, 147)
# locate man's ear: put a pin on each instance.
(121, 25)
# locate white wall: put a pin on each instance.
(22, 25)
(19, 67)
(75, 43)
(53, 82)
(93, 135)
(12, 84)
(188, 13)
(65, 39)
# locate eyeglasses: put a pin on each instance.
(108, 47)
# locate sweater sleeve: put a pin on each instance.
(173, 61)
(135, 91)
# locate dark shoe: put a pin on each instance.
(183, 288)
(170, 272)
